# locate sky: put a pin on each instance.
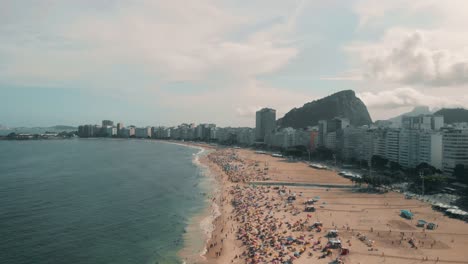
(168, 62)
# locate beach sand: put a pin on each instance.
(353, 214)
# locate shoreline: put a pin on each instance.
(204, 223)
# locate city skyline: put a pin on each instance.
(163, 63)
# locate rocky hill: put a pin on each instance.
(341, 104)
(453, 115)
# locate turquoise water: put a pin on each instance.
(95, 201)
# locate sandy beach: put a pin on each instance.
(268, 223)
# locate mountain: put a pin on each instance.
(453, 115)
(341, 104)
(418, 110)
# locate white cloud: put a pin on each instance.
(412, 60)
(417, 54)
(392, 102)
(178, 40)
(404, 97)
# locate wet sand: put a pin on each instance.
(354, 215)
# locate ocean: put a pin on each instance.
(97, 201)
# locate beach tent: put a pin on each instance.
(421, 223)
(334, 243)
(332, 233)
(406, 214)
(431, 226)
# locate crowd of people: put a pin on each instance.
(238, 169)
(267, 235)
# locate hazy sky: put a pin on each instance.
(167, 62)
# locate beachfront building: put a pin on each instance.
(131, 131)
(143, 132)
(245, 136)
(119, 127)
(409, 148)
(357, 143)
(352, 138)
(430, 148)
(283, 138)
(378, 142)
(109, 131)
(124, 132)
(87, 131)
(329, 132)
(106, 123)
(420, 146)
(392, 144)
(455, 149)
(265, 123)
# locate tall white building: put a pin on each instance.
(455, 149)
(408, 148)
(430, 148)
(378, 139)
(265, 123)
(392, 144)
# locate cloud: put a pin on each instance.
(236, 101)
(408, 97)
(247, 112)
(350, 75)
(423, 42)
(413, 61)
(175, 40)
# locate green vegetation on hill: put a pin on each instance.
(453, 115)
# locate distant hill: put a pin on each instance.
(418, 110)
(37, 130)
(62, 127)
(453, 115)
(341, 104)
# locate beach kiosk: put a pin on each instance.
(406, 214)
